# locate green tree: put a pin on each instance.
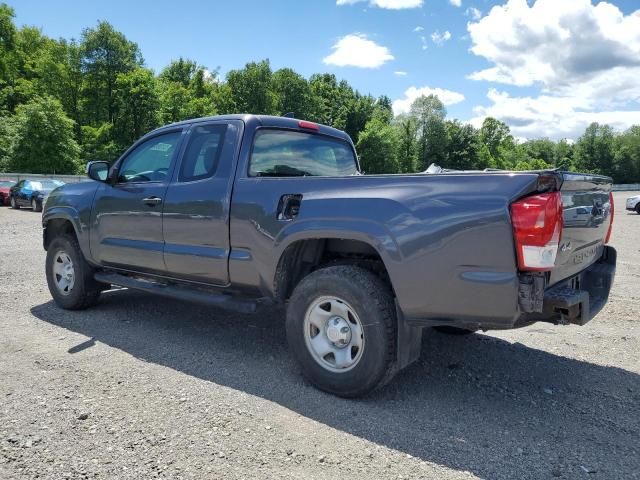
(432, 135)
(292, 93)
(330, 100)
(462, 146)
(179, 71)
(98, 143)
(627, 156)
(106, 53)
(594, 150)
(7, 56)
(136, 105)
(187, 90)
(541, 149)
(43, 139)
(359, 110)
(563, 155)
(495, 134)
(251, 88)
(407, 132)
(7, 139)
(377, 147)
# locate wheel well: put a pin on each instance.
(304, 256)
(56, 227)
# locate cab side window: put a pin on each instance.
(150, 161)
(202, 155)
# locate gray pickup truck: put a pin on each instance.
(239, 210)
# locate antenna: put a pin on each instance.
(289, 115)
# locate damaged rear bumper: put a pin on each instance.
(579, 298)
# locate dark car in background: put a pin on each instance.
(5, 187)
(32, 193)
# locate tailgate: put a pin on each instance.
(586, 217)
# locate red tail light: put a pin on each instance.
(308, 125)
(537, 228)
(611, 212)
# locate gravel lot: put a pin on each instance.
(145, 387)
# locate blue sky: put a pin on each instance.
(541, 66)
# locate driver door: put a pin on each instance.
(126, 226)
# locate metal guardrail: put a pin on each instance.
(65, 178)
(624, 187)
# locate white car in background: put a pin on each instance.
(633, 204)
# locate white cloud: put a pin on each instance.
(584, 58)
(439, 38)
(400, 73)
(473, 13)
(549, 116)
(418, 29)
(423, 42)
(554, 43)
(448, 97)
(455, 3)
(356, 50)
(388, 4)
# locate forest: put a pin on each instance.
(64, 102)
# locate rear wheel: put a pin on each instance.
(638, 208)
(341, 328)
(14, 204)
(37, 207)
(69, 276)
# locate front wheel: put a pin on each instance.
(14, 204)
(341, 328)
(69, 276)
(638, 208)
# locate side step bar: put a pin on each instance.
(220, 300)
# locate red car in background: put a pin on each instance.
(5, 186)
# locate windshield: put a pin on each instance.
(6, 183)
(288, 153)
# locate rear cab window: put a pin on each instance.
(290, 153)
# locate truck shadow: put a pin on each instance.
(474, 403)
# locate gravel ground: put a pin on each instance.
(146, 387)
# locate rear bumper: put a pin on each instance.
(580, 298)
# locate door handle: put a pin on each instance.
(152, 201)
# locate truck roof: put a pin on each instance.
(263, 121)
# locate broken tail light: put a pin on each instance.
(537, 228)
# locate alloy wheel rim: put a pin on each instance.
(63, 272)
(333, 334)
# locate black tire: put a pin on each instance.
(370, 299)
(14, 203)
(453, 330)
(85, 290)
(37, 207)
(638, 208)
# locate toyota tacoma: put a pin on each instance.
(241, 210)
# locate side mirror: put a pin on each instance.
(98, 170)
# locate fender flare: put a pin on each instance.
(371, 233)
(71, 215)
